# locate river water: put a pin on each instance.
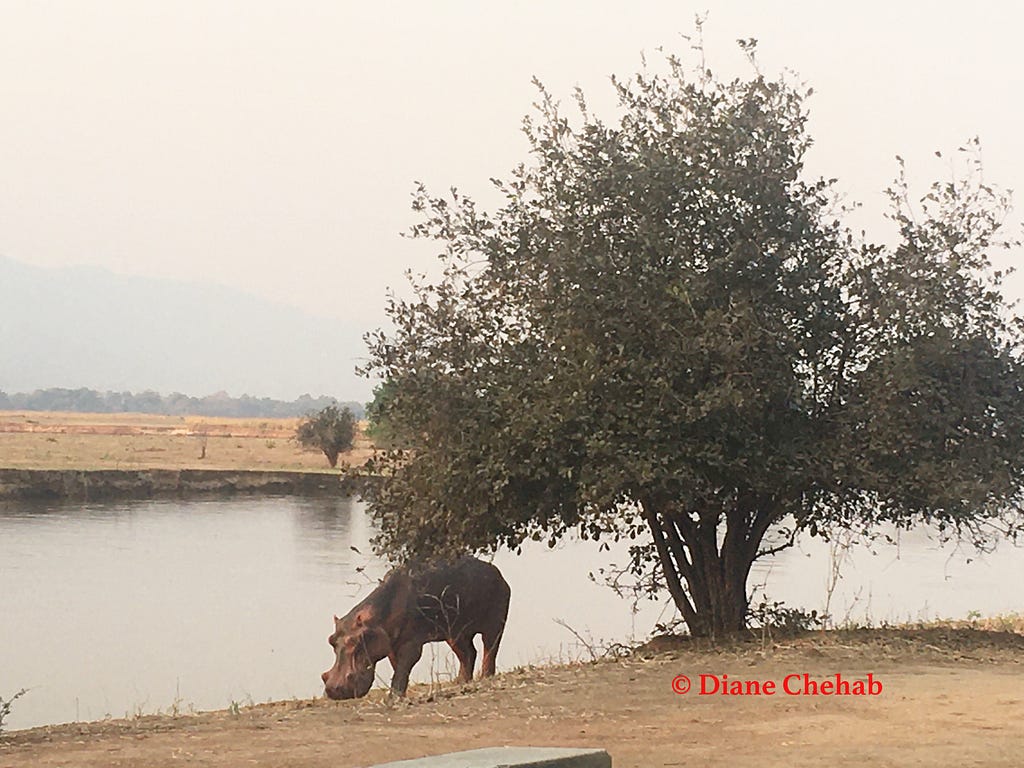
(133, 608)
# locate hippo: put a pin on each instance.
(412, 606)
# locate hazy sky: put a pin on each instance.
(272, 146)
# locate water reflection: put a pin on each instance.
(918, 578)
(325, 519)
(121, 608)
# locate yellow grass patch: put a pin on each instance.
(50, 440)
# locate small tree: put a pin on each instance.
(330, 430)
(666, 334)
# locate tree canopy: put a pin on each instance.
(378, 429)
(666, 333)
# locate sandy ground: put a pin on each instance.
(949, 697)
(44, 440)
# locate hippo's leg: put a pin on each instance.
(491, 631)
(466, 651)
(491, 642)
(405, 657)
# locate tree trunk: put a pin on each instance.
(707, 580)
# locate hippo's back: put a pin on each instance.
(466, 596)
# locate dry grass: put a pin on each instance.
(45, 440)
(1004, 622)
(937, 708)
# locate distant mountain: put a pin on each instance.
(87, 327)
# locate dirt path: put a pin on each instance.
(948, 697)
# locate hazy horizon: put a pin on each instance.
(271, 148)
(57, 330)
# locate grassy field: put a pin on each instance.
(45, 440)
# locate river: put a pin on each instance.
(133, 608)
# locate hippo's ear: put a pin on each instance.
(336, 619)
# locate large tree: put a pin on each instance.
(666, 333)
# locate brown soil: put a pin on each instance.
(950, 697)
(44, 440)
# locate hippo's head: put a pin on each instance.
(359, 642)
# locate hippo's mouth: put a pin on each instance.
(338, 694)
(355, 689)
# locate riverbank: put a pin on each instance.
(79, 456)
(108, 484)
(949, 696)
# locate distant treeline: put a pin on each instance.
(176, 404)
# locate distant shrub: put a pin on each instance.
(331, 430)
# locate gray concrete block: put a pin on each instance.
(511, 757)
